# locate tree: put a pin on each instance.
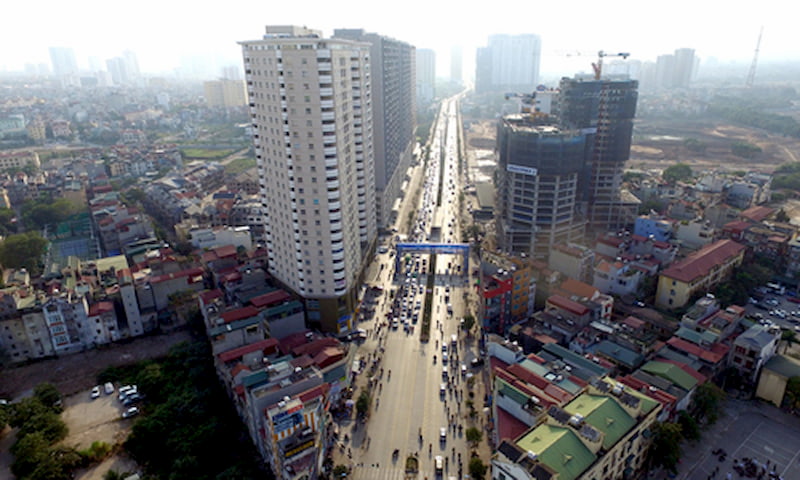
(677, 173)
(745, 150)
(477, 469)
(792, 395)
(789, 338)
(469, 322)
(474, 436)
(340, 470)
(48, 394)
(689, 428)
(707, 401)
(29, 451)
(782, 216)
(665, 451)
(362, 404)
(695, 145)
(22, 250)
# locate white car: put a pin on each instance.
(131, 412)
(95, 392)
(443, 434)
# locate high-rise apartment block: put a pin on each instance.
(426, 76)
(225, 93)
(508, 63)
(604, 109)
(394, 110)
(65, 66)
(457, 65)
(311, 108)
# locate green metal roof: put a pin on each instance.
(784, 366)
(624, 356)
(560, 449)
(604, 414)
(697, 337)
(671, 372)
(506, 389)
(572, 357)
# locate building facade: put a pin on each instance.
(311, 106)
(394, 111)
(538, 176)
(509, 63)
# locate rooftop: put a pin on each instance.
(699, 264)
(560, 449)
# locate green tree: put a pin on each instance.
(29, 451)
(695, 145)
(474, 436)
(48, 394)
(340, 471)
(469, 322)
(23, 250)
(362, 404)
(782, 216)
(745, 150)
(689, 428)
(677, 173)
(707, 401)
(792, 396)
(665, 451)
(477, 469)
(789, 338)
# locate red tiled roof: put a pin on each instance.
(225, 251)
(567, 304)
(240, 314)
(633, 322)
(313, 393)
(195, 275)
(100, 308)
(757, 213)
(313, 348)
(581, 289)
(267, 346)
(238, 369)
(699, 263)
(328, 356)
(289, 342)
(209, 296)
(612, 241)
(715, 355)
(270, 298)
(508, 427)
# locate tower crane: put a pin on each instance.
(598, 67)
(751, 74)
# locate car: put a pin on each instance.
(109, 388)
(132, 399)
(442, 389)
(439, 467)
(444, 357)
(443, 434)
(444, 372)
(476, 362)
(444, 347)
(95, 392)
(131, 412)
(463, 369)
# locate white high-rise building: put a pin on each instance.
(426, 76)
(508, 63)
(312, 116)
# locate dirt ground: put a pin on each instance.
(78, 372)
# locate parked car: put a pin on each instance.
(95, 392)
(131, 412)
(109, 388)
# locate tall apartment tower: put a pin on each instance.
(508, 63)
(684, 66)
(65, 66)
(539, 165)
(311, 111)
(394, 114)
(457, 65)
(604, 109)
(426, 76)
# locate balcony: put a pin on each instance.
(323, 53)
(338, 255)
(335, 237)
(326, 104)
(334, 205)
(328, 127)
(332, 184)
(330, 151)
(325, 79)
(339, 275)
(331, 162)
(328, 116)
(324, 67)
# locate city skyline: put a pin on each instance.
(211, 38)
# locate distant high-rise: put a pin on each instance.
(604, 109)
(684, 66)
(225, 93)
(232, 72)
(131, 64)
(457, 65)
(426, 76)
(312, 112)
(665, 71)
(508, 63)
(118, 69)
(394, 111)
(65, 66)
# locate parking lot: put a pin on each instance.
(91, 420)
(751, 430)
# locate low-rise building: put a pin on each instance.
(753, 348)
(775, 374)
(699, 272)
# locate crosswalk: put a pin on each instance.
(368, 472)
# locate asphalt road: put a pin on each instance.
(410, 400)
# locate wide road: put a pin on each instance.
(410, 401)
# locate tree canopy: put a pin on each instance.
(22, 250)
(665, 450)
(677, 173)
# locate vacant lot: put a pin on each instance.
(78, 372)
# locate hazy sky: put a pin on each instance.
(165, 31)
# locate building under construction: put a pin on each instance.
(603, 109)
(539, 165)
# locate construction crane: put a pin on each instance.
(751, 75)
(598, 67)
